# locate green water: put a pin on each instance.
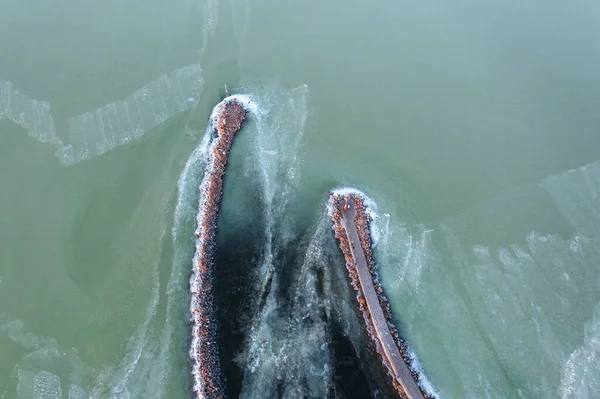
(473, 126)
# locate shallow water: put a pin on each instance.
(473, 128)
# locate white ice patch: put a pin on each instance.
(31, 114)
(581, 372)
(114, 124)
(509, 287)
(33, 381)
(43, 347)
(117, 123)
(140, 373)
(38, 385)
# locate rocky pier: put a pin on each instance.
(351, 222)
(226, 121)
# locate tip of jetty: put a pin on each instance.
(351, 223)
(227, 119)
(230, 115)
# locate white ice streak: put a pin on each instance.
(124, 380)
(33, 381)
(114, 124)
(117, 123)
(31, 114)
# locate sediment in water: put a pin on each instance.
(350, 217)
(226, 121)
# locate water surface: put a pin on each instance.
(472, 126)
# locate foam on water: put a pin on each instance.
(279, 123)
(289, 349)
(402, 254)
(182, 233)
(188, 182)
(276, 132)
(424, 382)
(280, 351)
(581, 373)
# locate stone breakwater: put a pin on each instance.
(226, 121)
(351, 221)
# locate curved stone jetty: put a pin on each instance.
(351, 225)
(226, 121)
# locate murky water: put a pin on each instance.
(473, 127)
